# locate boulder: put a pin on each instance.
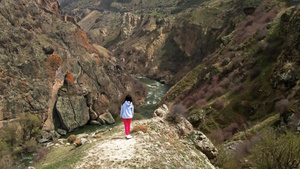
(203, 144)
(95, 122)
(61, 132)
(101, 121)
(161, 111)
(107, 117)
(73, 111)
(43, 140)
(184, 127)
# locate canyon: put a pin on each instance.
(233, 65)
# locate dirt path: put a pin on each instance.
(153, 149)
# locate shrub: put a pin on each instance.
(282, 106)
(276, 151)
(226, 159)
(30, 146)
(218, 91)
(200, 103)
(218, 104)
(225, 83)
(236, 87)
(178, 111)
(30, 126)
(232, 128)
(4, 148)
(142, 128)
(9, 135)
(216, 136)
(242, 150)
(71, 138)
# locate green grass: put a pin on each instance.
(64, 157)
(258, 127)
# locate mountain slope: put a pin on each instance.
(44, 59)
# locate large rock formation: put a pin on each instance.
(49, 67)
(72, 111)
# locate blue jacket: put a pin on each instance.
(127, 110)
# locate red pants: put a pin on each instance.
(127, 125)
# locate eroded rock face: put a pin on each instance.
(204, 144)
(183, 128)
(47, 61)
(161, 111)
(107, 117)
(73, 111)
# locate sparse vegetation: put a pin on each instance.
(276, 150)
(177, 112)
(19, 137)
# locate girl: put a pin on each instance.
(127, 111)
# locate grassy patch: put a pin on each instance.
(63, 157)
(258, 127)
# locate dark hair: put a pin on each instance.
(128, 98)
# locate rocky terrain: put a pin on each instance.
(233, 67)
(225, 58)
(50, 68)
(155, 144)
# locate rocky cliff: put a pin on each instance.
(225, 58)
(251, 77)
(155, 38)
(51, 69)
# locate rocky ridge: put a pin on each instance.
(162, 144)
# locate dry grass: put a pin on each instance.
(71, 138)
(142, 128)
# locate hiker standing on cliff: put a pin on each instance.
(127, 111)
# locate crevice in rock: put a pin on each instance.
(74, 112)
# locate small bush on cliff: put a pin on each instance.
(178, 111)
(275, 151)
(282, 106)
(30, 126)
(9, 137)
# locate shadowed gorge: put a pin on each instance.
(232, 67)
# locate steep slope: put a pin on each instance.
(225, 56)
(50, 68)
(253, 76)
(154, 39)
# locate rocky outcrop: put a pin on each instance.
(107, 118)
(161, 111)
(73, 111)
(204, 144)
(183, 128)
(130, 22)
